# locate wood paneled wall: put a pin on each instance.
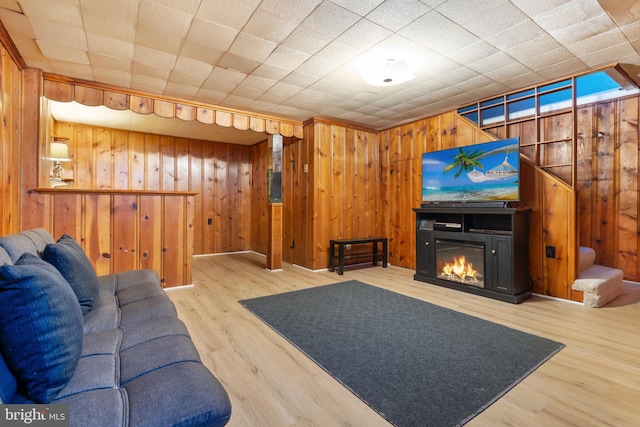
(400, 183)
(10, 95)
(608, 182)
(342, 194)
(219, 173)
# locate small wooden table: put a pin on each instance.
(375, 255)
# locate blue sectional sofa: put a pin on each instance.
(111, 347)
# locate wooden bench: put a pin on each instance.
(375, 255)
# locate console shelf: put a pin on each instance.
(501, 232)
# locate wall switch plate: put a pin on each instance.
(347, 247)
(209, 221)
(305, 168)
(551, 251)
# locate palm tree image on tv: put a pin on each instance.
(482, 172)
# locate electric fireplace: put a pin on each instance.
(476, 249)
(460, 261)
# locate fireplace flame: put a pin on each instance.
(460, 269)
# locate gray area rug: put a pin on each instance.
(415, 363)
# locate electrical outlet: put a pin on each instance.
(347, 247)
(551, 251)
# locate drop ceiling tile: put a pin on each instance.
(199, 52)
(464, 11)
(56, 34)
(65, 68)
(187, 6)
(632, 31)
(500, 20)
(598, 42)
(237, 101)
(516, 35)
(59, 52)
(257, 82)
(16, 24)
(237, 63)
(538, 7)
(252, 47)
(564, 68)
(263, 106)
(202, 32)
(283, 9)
(145, 70)
(509, 72)
(193, 67)
(524, 80)
(280, 92)
(231, 14)
(317, 67)
(162, 41)
(397, 14)
(247, 92)
(109, 26)
(299, 79)
(227, 75)
(490, 63)
(608, 55)
(473, 52)
(153, 15)
(154, 58)
(429, 29)
(180, 90)
(267, 26)
(111, 76)
(210, 96)
(108, 46)
(532, 48)
(121, 9)
(186, 79)
(270, 72)
(11, 5)
(330, 19)
(106, 61)
(306, 40)
(55, 11)
(286, 58)
(364, 34)
(338, 52)
(584, 30)
(148, 84)
(569, 14)
(548, 59)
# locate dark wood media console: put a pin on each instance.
(496, 239)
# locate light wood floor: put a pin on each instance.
(593, 381)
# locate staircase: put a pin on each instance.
(599, 284)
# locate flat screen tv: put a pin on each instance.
(486, 172)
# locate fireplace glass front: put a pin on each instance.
(460, 261)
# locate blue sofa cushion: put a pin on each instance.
(8, 385)
(68, 257)
(40, 327)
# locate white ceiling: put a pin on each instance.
(294, 58)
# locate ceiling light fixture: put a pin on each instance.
(387, 72)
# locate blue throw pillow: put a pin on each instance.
(68, 257)
(40, 327)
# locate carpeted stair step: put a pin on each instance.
(599, 284)
(587, 258)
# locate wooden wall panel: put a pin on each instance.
(10, 96)
(259, 212)
(97, 237)
(125, 230)
(626, 194)
(151, 233)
